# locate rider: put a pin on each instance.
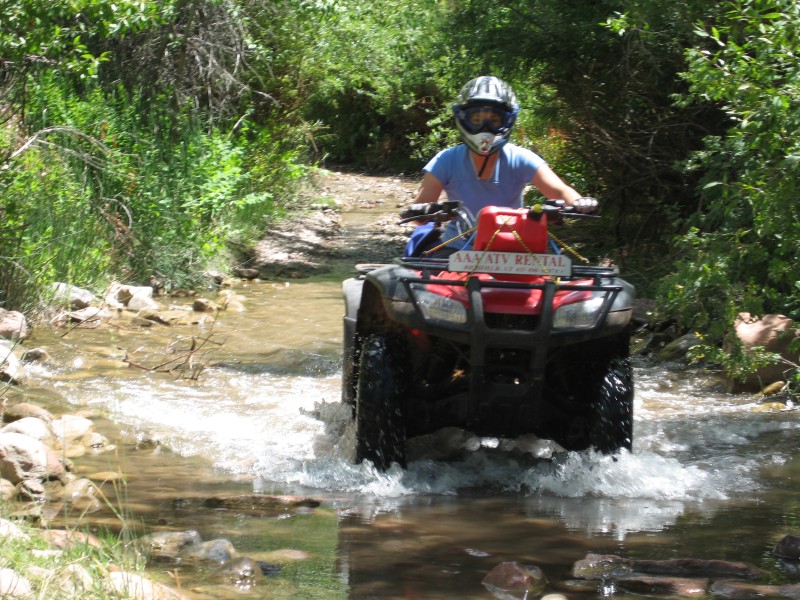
(486, 169)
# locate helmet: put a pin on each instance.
(485, 111)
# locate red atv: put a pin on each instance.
(501, 340)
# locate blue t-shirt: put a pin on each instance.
(514, 169)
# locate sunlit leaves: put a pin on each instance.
(748, 66)
(56, 34)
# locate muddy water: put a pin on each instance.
(711, 475)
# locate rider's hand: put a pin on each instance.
(585, 205)
(419, 210)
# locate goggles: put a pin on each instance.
(488, 118)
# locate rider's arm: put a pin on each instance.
(429, 190)
(552, 186)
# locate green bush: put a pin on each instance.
(743, 247)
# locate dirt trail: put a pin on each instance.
(354, 221)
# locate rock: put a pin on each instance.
(117, 295)
(598, 566)
(74, 581)
(790, 566)
(171, 317)
(13, 325)
(133, 585)
(32, 355)
(86, 504)
(141, 321)
(25, 409)
(74, 450)
(229, 301)
(682, 587)
(774, 333)
(132, 297)
(32, 489)
(7, 490)
(14, 586)
(510, 580)
(204, 305)
(72, 296)
(10, 531)
(11, 370)
(32, 427)
(165, 545)
(79, 487)
(788, 547)
(601, 566)
(260, 504)
(22, 457)
(740, 590)
(141, 301)
(90, 314)
(268, 569)
(242, 573)
(96, 442)
(103, 476)
(71, 427)
(677, 349)
(245, 273)
(692, 567)
(215, 551)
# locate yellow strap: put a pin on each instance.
(570, 249)
(452, 239)
(567, 247)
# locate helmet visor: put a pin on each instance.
(485, 118)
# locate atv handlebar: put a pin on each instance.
(555, 210)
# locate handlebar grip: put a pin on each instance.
(430, 211)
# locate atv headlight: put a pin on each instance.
(439, 308)
(578, 314)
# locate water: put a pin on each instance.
(711, 475)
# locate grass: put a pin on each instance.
(76, 558)
(79, 570)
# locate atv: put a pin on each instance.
(504, 339)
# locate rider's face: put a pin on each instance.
(479, 117)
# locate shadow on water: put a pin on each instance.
(286, 361)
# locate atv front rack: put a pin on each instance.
(437, 265)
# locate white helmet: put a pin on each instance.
(485, 112)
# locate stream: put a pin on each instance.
(711, 475)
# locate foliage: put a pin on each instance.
(742, 250)
(132, 144)
(377, 71)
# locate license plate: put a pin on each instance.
(511, 263)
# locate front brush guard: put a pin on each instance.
(481, 338)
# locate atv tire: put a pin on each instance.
(382, 382)
(610, 426)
